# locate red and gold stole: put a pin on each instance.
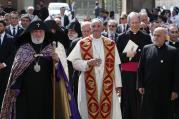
(102, 109)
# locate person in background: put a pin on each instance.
(123, 26)
(64, 18)
(111, 33)
(96, 9)
(30, 12)
(43, 13)
(87, 18)
(14, 29)
(9, 7)
(173, 35)
(7, 19)
(2, 12)
(86, 31)
(145, 22)
(7, 53)
(25, 21)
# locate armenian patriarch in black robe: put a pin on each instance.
(38, 87)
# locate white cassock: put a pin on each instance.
(81, 65)
(60, 50)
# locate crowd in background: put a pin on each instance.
(69, 32)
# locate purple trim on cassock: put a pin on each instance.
(73, 106)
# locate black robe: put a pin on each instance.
(176, 102)
(73, 74)
(129, 106)
(174, 44)
(157, 74)
(35, 98)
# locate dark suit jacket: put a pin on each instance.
(120, 29)
(7, 52)
(19, 31)
(107, 35)
(66, 21)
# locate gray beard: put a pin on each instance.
(73, 37)
(37, 41)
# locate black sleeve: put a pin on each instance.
(120, 43)
(11, 56)
(141, 70)
(176, 78)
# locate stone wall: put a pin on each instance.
(167, 3)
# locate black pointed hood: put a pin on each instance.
(36, 24)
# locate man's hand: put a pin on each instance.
(141, 91)
(118, 91)
(94, 62)
(2, 66)
(131, 54)
(55, 57)
(174, 96)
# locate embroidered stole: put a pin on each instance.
(102, 109)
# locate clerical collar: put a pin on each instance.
(173, 42)
(134, 32)
(160, 47)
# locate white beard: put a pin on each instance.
(37, 41)
(73, 37)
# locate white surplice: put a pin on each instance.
(81, 65)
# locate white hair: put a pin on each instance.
(132, 14)
(83, 24)
(96, 20)
(112, 21)
(164, 30)
(30, 7)
(144, 14)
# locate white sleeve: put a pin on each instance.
(118, 81)
(60, 50)
(75, 57)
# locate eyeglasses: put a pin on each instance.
(14, 17)
(174, 32)
(112, 26)
(157, 35)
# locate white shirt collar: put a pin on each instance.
(2, 37)
(11, 27)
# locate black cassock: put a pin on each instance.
(176, 103)
(129, 71)
(157, 74)
(35, 98)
